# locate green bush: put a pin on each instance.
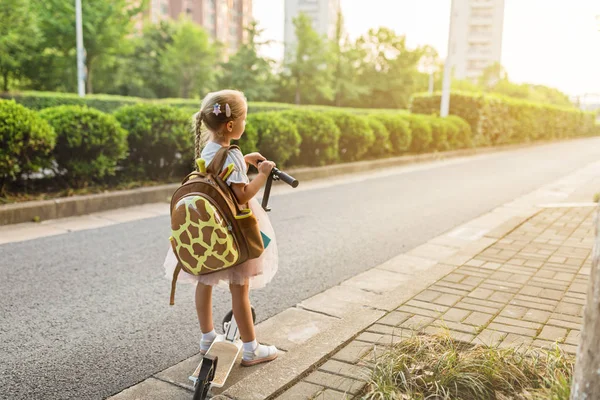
(462, 136)
(320, 137)
(89, 143)
(496, 119)
(27, 141)
(356, 135)
(41, 100)
(421, 132)
(398, 126)
(160, 139)
(278, 138)
(439, 134)
(382, 146)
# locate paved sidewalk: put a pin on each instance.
(527, 289)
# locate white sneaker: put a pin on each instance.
(261, 354)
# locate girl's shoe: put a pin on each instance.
(261, 354)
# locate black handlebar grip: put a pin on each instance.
(290, 180)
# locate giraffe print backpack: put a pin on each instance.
(209, 229)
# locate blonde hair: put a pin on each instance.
(206, 122)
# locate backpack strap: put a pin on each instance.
(174, 283)
(218, 162)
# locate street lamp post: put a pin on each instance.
(445, 104)
(80, 50)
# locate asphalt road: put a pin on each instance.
(85, 315)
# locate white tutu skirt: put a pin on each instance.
(258, 271)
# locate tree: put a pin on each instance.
(307, 67)
(586, 382)
(189, 60)
(142, 73)
(247, 71)
(106, 24)
(18, 37)
(492, 76)
(390, 69)
(345, 60)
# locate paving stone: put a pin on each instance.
(336, 382)
(489, 337)
(534, 315)
(512, 311)
(353, 352)
(454, 277)
(514, 340)
(417, 322)
(341, 368)
(448, 299)
(428, 306)
(552, 333)
(394, 318)
(476, 307)
(573, 337)
(516, 322)
(455, 315)
(330, 394)
(501, 297)
(385, 329)
(478, 319)
(301, 391)
(418, 311)
(428, 295)
(480, 293)
(456, 326)
(564, 324)
(511, 329)
(569, 309)
(444, 289)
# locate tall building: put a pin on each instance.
(323, 13)
(475, 36)
(224, 20)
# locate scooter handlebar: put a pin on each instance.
(290, 180)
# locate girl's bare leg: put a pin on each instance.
(242, 311)
(204, 307)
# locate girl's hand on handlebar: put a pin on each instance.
(254, 159)
(265, 167)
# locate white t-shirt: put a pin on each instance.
(239, 174)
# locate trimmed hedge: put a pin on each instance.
(89, 144)
(278, 138)
(160, 139)
(398, 127)
(319, 137)
(498, 120)
(356, 135)
(26, 141)
(421, 131)
(382, 146)
(110, 103)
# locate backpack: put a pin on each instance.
(209, 230)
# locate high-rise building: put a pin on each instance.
(323, 13)
(224, 20)
(475, 36)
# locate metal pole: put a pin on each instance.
(445, 104)
(80, 50)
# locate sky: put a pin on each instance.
(550, 42)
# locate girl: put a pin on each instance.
(221, 119)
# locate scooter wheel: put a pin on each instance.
(205, 377)
(228, 316)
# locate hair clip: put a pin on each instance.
(227, 110)
(217, 109)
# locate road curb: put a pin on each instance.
(43, 210)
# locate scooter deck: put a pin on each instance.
(227, 352)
